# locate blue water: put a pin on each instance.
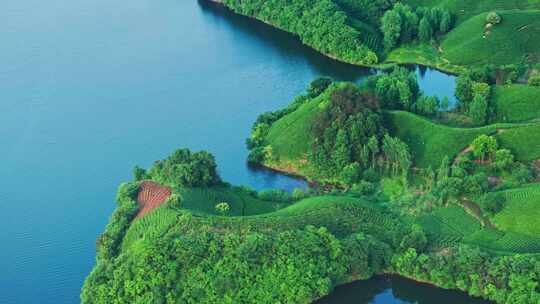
(91, 88)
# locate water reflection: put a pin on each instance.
(286, 44)
(393, 289)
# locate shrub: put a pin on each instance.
(174, 201)
(493, 18)
(363, 188)
(492, 203)
(223, 208)
(298, 194)
(275, 195)
(534, 81)
(186, 169)
(139, 173)
(318, 86)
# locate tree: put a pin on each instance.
(492, 202)
(139, 173)
(351, 174)
(223, 208)
(446, 22)
(174, 201)
(391, 28)
(464, 93)
(373, 146)
(484, 146)
(427, 105)
(416, 239)
(534, 81)
(318, 86)
(445, 104)
(425, 31)
(503, 159)
(493, 18)
(478, 110)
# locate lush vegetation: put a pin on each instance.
(298, 253)
(183, 169)
(408, 185)
(321, 24)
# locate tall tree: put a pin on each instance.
(425, 31)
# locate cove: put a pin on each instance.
(92, 88)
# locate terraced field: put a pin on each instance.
(522, 211)
(468, 45)
(151, 195)
(465, 9)
(241, 203)
(516, 103)
(448, 225)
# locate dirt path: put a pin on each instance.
(474, 210)
(151, 195)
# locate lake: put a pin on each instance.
(91, 88)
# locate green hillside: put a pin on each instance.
(518, 35)
(521, 213)
(466, 9)
(516, 103)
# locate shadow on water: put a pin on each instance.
(394, 289)
(286, 44)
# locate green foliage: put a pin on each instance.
(318, 86)
(402, 24)
(139, 173)
(503, 159)
(534, 81)
(174, 201)
(478, 110)
(186, 169)
(321, 24)
(484, 146)
(396, 90)
(493, 18)
(342, 130)
(492, 203)
(425, 32)
(223, 208)
(109, 242)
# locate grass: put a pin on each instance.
(518, 35)
(521, 213)
(516, 103)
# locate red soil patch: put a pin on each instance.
(151, 195)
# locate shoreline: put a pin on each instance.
(378, 66)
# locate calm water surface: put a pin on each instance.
(91, 88)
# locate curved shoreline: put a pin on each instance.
(378, 66)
